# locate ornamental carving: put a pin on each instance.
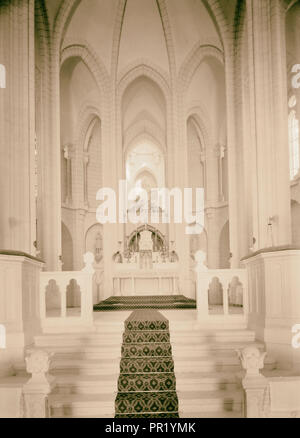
(252, 360)
(38, 362)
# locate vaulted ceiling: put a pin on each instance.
(124, 32)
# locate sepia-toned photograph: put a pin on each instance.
(149, 211)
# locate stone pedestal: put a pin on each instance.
(20, 305)
(274, 301)
(39, 386)
(254, 384)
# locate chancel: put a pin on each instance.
(172, 308)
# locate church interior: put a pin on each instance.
(151, 318)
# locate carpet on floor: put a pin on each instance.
(147, 384)
(145, 302)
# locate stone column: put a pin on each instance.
(268, 144)
(68, 155)
(212, 202)
(78, 242)
(39, 386)
(212, 174)
(17, 127)
(85, 178)
(213, 258)
(221, 158)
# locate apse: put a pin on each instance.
(145, 165)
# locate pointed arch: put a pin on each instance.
(192, 62)
(92, 62)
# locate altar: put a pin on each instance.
(144, 271)
(161, 280)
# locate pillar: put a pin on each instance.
(212, 202)
(269, 166)
(17, 127)
(79, 238)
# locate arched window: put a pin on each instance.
(293, 139)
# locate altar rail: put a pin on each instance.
(66, 300)
(222, 293)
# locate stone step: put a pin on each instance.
(114, 352)
(81, 405)
(104, 338)
(206, 381)
(146, 402)
(206, 364)
(206, 349)
(209, 401)
(147, 382)
(212, 414)
(91, 339)
(146, 365)
(85, 367)
(85, 353)
(135, 325)
(97, 384)
(137, 336)
(86, 384)
(200, 336)
(150, 349)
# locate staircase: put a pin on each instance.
(87, 367)
(207, 371)
(147, 385)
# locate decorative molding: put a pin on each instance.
(192, 62)
(202, 122)
(221, 22)
(166, 24)
(153, 71)
(62, 19)
(86, 116)
(144, 127)
(117, 38)
(95, 66)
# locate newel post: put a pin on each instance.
(254, 383)
(39, 386)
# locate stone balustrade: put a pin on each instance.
(222, 292)
(66, 298)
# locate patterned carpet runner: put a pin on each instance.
(146, 385)
(144, 302)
